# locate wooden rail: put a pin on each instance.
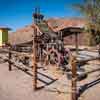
(23, 54)
(87, 60)
(73, 63)
(17, 53)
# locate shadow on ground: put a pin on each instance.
(85, 87)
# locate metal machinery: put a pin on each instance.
(50, 47)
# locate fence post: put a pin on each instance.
(9, 59)
(74, 78)
(35, 61)
(76, 42)
(34, 73)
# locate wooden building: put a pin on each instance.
(3, 35)
(68, 26)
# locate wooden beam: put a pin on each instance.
(76, 42)
(35, 48)
(87, 60)
(17, 53)
(74, 79)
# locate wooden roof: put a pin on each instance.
(58, 24)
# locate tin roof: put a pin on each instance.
(4, 28)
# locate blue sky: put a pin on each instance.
(18, 13)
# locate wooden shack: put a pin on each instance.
(3, 35)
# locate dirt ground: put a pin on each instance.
(16, 85)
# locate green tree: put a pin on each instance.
(91, 11)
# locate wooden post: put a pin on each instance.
(9, 59)
(99, 51)
(74, 79)
(35, 60)
(76, 42)
(34, 74)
